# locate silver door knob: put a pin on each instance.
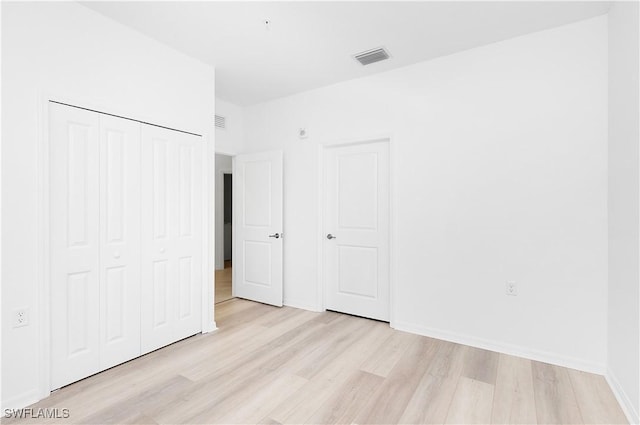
(161, 249)
(330, 236)
(275, 235)
(116, 254)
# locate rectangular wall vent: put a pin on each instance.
(372, 56)
(221, 122)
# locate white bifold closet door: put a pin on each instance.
(126, 214)
(95, 242)
(171, 236)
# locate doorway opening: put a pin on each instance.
(224, 237)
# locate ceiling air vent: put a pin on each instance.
(372, 56)
(221, 122)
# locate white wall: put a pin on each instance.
(230, 140)
(500, 158)
(223, 163)
(624, 202)
(70, 51)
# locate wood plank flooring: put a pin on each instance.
(269, 365)
(223, 283)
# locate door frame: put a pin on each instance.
(220, 180)
(43, 281)
(321, 152)
(213, 209)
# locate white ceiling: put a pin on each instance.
(310, 44)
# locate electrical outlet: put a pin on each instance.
(511, 288)
(21, 317)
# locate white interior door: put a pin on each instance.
(356, 223)
(119, 240)
(257, 227)
(74, 243)
(171, 236)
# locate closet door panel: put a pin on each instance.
(189, 236)
(74, 243)
(158, 197)
(171, 236)
(120, 240)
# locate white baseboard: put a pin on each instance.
(213, 328)
(21, 400)
(500, 347)
(622, 397)
(300, 304)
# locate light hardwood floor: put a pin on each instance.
(223, 283)
(269, 365)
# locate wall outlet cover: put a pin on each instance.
(20, 317)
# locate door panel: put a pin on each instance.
(120, 240)
(115, 287)
(160, 304)
(79, 317)
(157, 269)
(185, 190)
(257, 193)
(362, 280)
(74, 243)
(257, 214)
(187, 297)
(159, 287)
(159, 186)
(172, 238)
(185, 307)
(357, 187)
(357, 217)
